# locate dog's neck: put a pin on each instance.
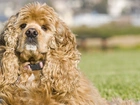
(32, 71)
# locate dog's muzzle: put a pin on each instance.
(31, 40)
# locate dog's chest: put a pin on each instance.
(35, 77)
(31, 78)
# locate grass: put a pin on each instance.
(114, 73)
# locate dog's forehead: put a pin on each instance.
(36, 10)
(40, 13)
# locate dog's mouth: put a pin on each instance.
(33, 62)
(34, 66)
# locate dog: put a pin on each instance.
(38, 61)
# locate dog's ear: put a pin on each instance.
(63, 35)
(8, 34)
(9, 60)
(63, 39)
(2, 41)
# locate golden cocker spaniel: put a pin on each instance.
(38, 61)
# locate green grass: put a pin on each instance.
(114, 73)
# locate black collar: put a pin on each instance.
(35, 67)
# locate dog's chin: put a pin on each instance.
(31, 53)
(31, 47)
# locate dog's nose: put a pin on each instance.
(31, 32)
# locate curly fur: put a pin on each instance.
(59, 82)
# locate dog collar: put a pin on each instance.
(37, 66)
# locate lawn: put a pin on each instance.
(114, 73)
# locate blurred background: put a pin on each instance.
(108, 36)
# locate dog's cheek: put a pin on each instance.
(20, 44)
(43, 42)
(52, 43)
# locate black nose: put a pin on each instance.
(31, 32)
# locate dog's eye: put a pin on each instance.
(22, 26)
(44, 27)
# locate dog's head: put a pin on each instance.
(36, 25)
(36, 29)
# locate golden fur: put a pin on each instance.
(59, 82)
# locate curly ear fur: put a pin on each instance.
(9, 60)
(61, 70)
(62, 60)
